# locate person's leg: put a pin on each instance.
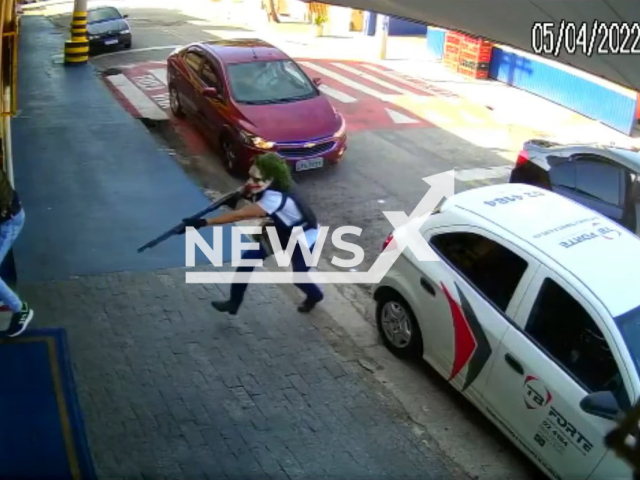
(238, 288)
(22, 314)
(313, 292)
(9, 232)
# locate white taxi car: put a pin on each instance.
(531, 309)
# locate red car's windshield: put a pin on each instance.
(269, 82)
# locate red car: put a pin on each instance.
(252, 98)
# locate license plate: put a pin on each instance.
(111, 42)
(309, 164)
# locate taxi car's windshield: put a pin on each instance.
(629, 325)
(278, 81)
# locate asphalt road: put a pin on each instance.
(382, 170)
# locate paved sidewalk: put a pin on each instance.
(172, 389)
(169, 387)
(94, 183)
(513, 107)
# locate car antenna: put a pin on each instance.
(255, 55)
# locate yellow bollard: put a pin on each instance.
(76, 50)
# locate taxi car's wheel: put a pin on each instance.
(174, 102)
(398, 326)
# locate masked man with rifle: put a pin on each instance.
(271, 191)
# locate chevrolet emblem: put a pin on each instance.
(309, 145)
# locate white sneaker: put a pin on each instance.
(20, 321)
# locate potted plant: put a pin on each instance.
(319, 21)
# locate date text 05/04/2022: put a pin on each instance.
(599, 38)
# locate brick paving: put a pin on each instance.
(172, 389)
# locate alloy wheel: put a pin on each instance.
(396, 324)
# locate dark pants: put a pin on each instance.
(314, 294)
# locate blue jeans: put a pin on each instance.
(314, 294)
(9, 232)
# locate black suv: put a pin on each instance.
(601, 177)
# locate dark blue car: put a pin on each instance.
(107, 28)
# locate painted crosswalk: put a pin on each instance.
(372, 78)
(337, 94)
(369, 96)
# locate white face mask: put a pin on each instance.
(256, 183)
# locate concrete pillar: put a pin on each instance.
(370, 19)
(382, 33)
(76, 50)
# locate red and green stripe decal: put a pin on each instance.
(471, 345)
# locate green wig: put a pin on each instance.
(276, 169)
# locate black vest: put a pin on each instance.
(9, 200)
(307, 222)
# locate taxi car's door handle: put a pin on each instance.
(513, 363)
(426, 284)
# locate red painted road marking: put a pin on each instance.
(358, 90)
(147, 77)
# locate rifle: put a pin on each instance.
(228, 199)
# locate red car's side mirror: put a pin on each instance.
(211, 92)
(317, 81)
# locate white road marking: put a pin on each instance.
(470, 118)
(426, 88)
(160, 74)
(202, 23)
(162, 100)
(398, 117)
(337, 94)
(437, 118)
(147, 82)
(135, 50)
(475, 174)
(395, 77)
(373, 79)
(344, 80)
(145, 107)
(452, 100)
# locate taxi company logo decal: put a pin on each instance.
(596, 232)
(471, 344)
(536, 394)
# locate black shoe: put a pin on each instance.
(308, 305)
(226, 307)
(20, 320)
